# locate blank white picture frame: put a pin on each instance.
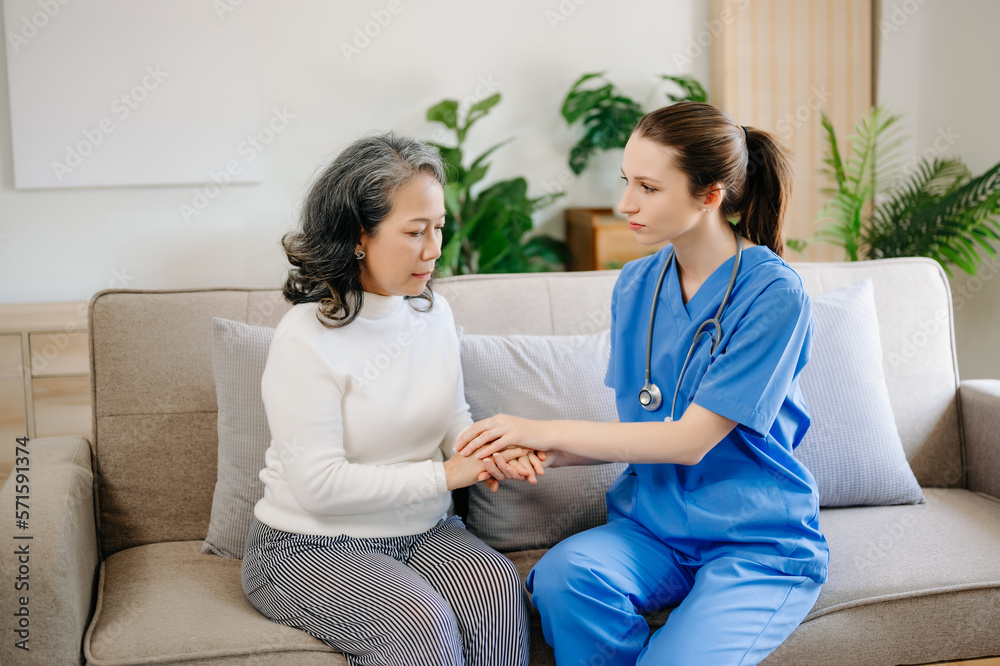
(133, 92)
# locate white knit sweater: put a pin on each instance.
(361, 418)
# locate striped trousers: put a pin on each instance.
(439, 597)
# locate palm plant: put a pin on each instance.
(940, 212)
(487, 231)
(937, 210)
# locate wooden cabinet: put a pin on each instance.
(12, 419)
(600, 240)
(44, 374)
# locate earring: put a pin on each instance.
(359, 254)
(706, 210)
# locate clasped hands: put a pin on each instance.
(504, 447)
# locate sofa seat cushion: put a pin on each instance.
(165, 603)
(914, 581)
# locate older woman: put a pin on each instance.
(351, 541)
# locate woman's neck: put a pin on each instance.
(702, 250)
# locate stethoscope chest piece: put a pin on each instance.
(650, 397)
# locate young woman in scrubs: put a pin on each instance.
(713, 515)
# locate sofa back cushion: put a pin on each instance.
(544, 377)
(154, 408)
(913, 301)
(154, 401)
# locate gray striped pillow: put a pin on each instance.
(545, 378)
(239, 352)
(852, 446)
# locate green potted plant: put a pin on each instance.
(488, 231)
(937, 209)
(608, 116)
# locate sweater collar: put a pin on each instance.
(376, 306)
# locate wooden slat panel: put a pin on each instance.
(12, 424)
(10, 355)
(776, 66)
(59, 354)
(70, 317)
(62, 406)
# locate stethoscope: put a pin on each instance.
(650, 397)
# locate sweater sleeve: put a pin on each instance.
(302, 397)
(460, 421)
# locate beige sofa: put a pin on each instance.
(117, 577)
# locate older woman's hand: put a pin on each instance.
(511, 463)
(524, 467)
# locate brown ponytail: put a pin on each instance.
(710, 148)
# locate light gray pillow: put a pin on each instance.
(852, 446)
(545, 378)
(239, 352)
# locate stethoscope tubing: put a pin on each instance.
(653, 398)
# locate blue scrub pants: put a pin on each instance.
(592, 588)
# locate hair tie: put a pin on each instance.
(746, 135)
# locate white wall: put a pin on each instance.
(938, 66)
(66, 244)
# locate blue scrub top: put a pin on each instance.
(749, 496)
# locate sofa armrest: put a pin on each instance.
(980, 400)
(48, 569)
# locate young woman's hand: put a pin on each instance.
(486, 437)
(461, 471)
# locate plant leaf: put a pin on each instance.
(833, 156)
(551, 249)
(477, 111)
(453, 198)
(488, 152)
(581, 103)
(573, 106)
(445, 112)
(579, 155)
(452, 157)
(797, 244)
(473, 176)
(693, 91)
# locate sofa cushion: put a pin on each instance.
(907, 584)
(852, 446)
(539, 377)
(239, 353)
(166, 603)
